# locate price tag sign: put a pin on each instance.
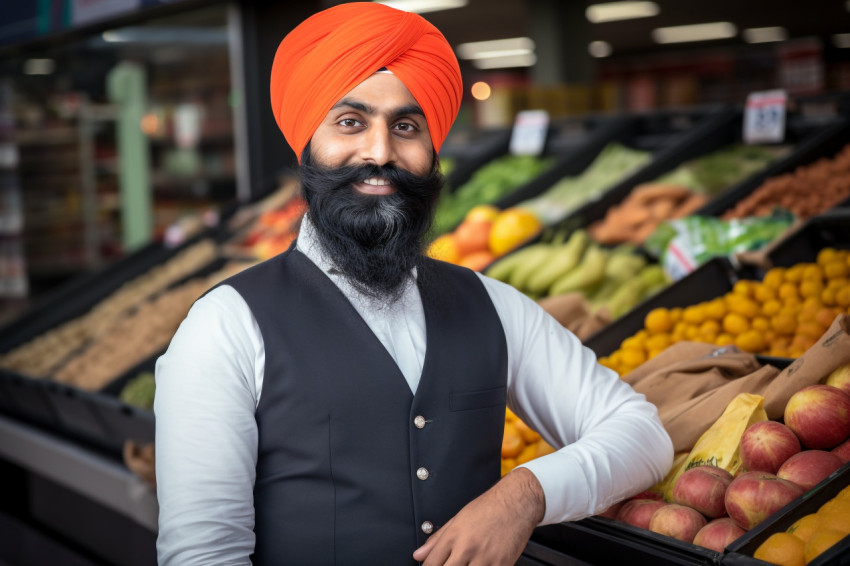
(529, 133)
(764, 116)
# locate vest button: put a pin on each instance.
(419, 421)
(422, 473)
(427, 527)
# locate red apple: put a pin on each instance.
(809, 467)
(612, 511)
(718, 534)
(819, 415)
(840, 378)
(843, 451)
(648, 494)
(765, 445)
(638, 512)
(754, 496)
(703, 488)
(677, 521)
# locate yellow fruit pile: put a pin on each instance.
(485, 234)
(783, 315)
(520, 443)
(809, 536)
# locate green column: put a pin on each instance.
(126, 86)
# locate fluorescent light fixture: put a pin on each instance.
(527, 60)
(514, 46)
(424, 6)
(614, 11)
(694, 32)
(39, 66)
(765, 35)
(148, 35)
(841, 40)
(599, 49)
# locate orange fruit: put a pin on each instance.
(658, 320)
(787, 290)
(528, 434)
(477, 261)
(735, 323)
(658, 342)
(774, 277)
(543, 448)
(709, 328)
(751, 341)
(743, 288)
(760, 323)
(529, 452)
(838, 504)
(812, 272)
(842, 297)
(482, 212)
(724, 339)
(508, 464)
(694, 314)
(763, 293)
(836, 520)
(771, 307)
(783, 323)
(716, 309)
(742, 305)
(827, 255)
(820, 543)
(805, 527)
(811, 329)
(512, 443)
(794, 274)
(444, 248)
(782, 548)
(510, 416)
(835, 269)
(811, 287)
(633, 358)
(827, 297)
(472, 236)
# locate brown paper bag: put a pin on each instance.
(828, 354)
(692, 383)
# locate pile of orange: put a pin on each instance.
(809, 536)
(782, 315)
(485, 234)
(520, 443)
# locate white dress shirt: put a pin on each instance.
(210, 381)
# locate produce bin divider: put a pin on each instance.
(825, 141)
(808, 503)
(829, 229)
(708, 281)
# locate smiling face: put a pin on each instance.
(377, 123)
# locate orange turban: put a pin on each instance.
(333, 51)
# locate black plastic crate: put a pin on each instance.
(839, 554)
(123, 422)
(74, 411)
(29, 399)
(597, 540)
(830, 229)
(708, 281)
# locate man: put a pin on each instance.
(343, 403)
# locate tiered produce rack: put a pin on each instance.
(69, 441)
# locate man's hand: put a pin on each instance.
(492, 529)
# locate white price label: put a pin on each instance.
(529, 134)
(764, 116)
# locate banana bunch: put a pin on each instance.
(614, 279)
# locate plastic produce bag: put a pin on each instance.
(684, 244)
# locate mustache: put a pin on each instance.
(401, 179)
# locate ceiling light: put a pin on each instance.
(614, 11)
(599, 48)
(527, 60)
(841, 40)
(39, 66)
(514, 46)
(694, 32)
(423, 6)
(480, 91)
(765, 35)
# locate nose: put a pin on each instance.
(378, 147)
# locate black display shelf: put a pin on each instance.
(829, 229)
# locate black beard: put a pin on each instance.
(374, 240)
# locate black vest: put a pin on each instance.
(350, 463)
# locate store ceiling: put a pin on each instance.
(492, 19)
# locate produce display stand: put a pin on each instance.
(470, 149)
(830, 229)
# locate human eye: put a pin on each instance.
(349, 123)
(406, 127)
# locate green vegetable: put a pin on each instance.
(558, 264)
(589, 272)
(139, 391)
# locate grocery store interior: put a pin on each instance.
(693, 158)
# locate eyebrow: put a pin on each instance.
(369, 109)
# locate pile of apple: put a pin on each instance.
(779, 463)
